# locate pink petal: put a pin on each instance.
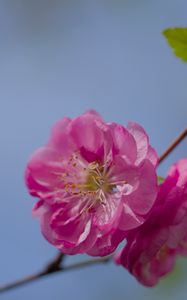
(107, 215)
(143, 198)
(74, 232)
(152, 156)
(43, 171)
(106, 244)
(142, 140)
(124, 142)
(86, 133)
(60, 139)
(129, 220)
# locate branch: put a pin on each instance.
(175, 143)
(52, 267)
(55, 264)
(49, 271)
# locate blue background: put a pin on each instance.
(60, 58)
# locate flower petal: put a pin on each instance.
(43, 171)
(142, 199)
(86, 133)
(107, 215)
(124, 142)
(142, 143)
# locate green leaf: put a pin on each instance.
(177, 39)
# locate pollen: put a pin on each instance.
(92, 181)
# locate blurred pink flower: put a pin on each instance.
(95, 182)
(151, 251)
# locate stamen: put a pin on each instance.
(120, 182)
(89, 181)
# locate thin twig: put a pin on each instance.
(175, 143)
(52, 267)
(44, 273)
(55, 264)
(22, 281)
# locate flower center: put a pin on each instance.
(93, 181)
(97, 179)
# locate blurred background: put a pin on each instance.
(60, 58)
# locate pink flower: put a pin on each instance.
(95, 181)
(151, 251)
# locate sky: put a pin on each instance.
(61, 58)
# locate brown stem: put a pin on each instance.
(55, 264)
(52, 267)
(44, 273)
(22, 281)
(175, 143)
